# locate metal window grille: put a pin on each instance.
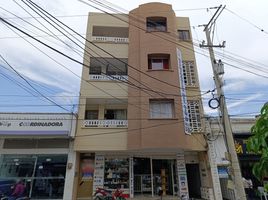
(189, 73)
(194, 115)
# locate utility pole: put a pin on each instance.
(217, 68)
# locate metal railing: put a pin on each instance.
(108, 78)
(106, 123)
(109, 39)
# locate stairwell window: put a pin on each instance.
(184, 35)
(189, 77)
(194, 115)
(156, 24)
(158, 61)
(161, 109)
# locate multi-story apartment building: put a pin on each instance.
(140, 125)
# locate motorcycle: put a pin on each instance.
(118, 195)
(103, 194)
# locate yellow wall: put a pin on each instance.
(109, 139)
(87, 139)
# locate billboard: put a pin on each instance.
(36, 124)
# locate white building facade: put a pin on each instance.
(36, 148)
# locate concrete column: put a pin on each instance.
(101, 111)
(70, 174)
(2, 143)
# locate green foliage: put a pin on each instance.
(258, 143)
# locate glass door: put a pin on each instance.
(163, 176)
(142, 176)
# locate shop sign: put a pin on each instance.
(187, 127)
(36, 124)
(182, 176)
(99, 172)
(241, 146)
(131, 177)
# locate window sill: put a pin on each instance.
(163, 119)
(157, 31)
(188, 41)
(152, 70)
(192, 86)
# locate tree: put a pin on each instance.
(258, 144)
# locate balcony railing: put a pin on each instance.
(109, 39)
(108, 78)
(106, 123)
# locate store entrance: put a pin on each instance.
(152, 175)
(85, 181)
(163, 176)
(194, 182)
(142, 176)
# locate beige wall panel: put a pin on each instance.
(101, 139)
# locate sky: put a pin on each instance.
(245, 92)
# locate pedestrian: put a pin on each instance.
(19, 191)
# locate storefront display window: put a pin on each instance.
(116, 174)
(42, 175)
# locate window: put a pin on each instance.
(42, 175)
(92, 114)
(156, 24)
(194, 115)
(116, 70)
(189, 73)
(117, 114)
(116, 173)
(109, 66)
(158, 61)
(163, 109)
(184, 34)
(95, 70)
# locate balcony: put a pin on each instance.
(106, 123)
(98, 77)
(109, 39)
(110, 34)
(108, 69)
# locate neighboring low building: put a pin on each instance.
(37, 149)
(241, 132)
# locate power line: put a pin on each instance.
(92, 43)
(86, 15)
(190, 49)
(37, 91)
(160, 93)
(246, 20)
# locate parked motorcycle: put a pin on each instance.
(103, 194)
(118, 195)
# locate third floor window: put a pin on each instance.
(158, 61)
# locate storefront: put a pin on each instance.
(36, 149)
(247, 160)
(139, 175)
